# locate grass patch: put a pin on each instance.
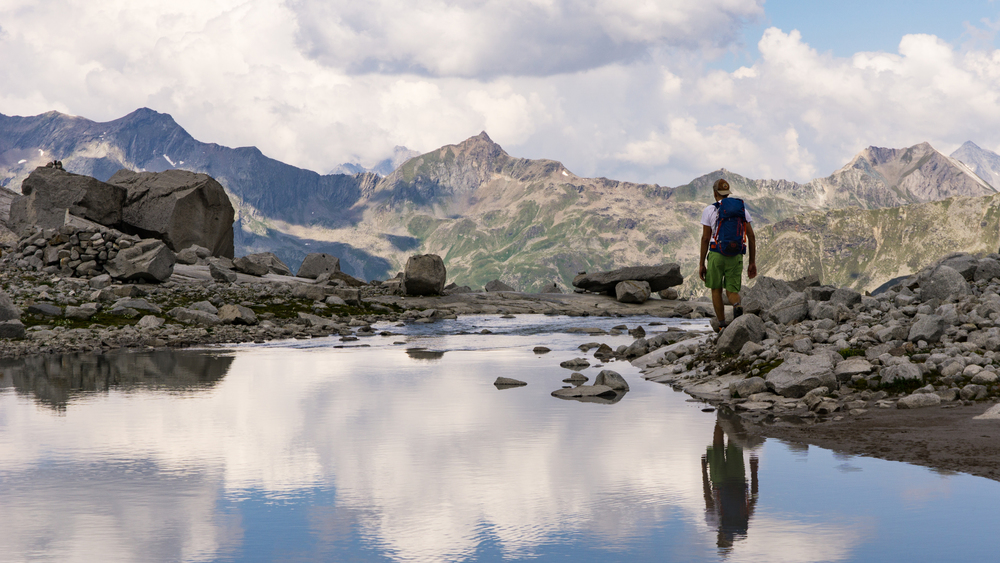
(850, 352)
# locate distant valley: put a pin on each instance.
(532, 222)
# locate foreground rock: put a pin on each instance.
(148, 260)
(319, 263)
(631, 291)
(179, 207)
(658, 278)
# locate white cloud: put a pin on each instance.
(622, 90)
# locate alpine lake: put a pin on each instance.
(400, 448)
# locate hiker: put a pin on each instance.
(726, 234)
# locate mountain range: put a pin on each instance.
(527, 222)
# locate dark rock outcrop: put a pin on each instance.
(180, 208)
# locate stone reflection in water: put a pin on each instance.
(55, 380)
(729, 501)
(424, 354)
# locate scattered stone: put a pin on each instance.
(576, 378)
(150, 321)
(237, 314)
(800, 373)
(148, 260)
(918, 401)
(744, 329)
(584, 391)
(576, 363)
(247, 266)
(632, 291)
(611, 379)
(540, 350)
(44, 309)
(320, 263)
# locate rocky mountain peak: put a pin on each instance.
(984, 163)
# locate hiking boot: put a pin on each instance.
(737, 311)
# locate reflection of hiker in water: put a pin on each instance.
(728, 505)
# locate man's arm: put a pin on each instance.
(706, 237)
(752, 246)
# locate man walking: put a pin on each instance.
(726, 234)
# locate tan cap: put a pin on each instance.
(721, 187)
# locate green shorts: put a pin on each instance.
(724, 272)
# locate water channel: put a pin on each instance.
(403, 450)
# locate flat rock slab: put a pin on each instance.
(507, 382)
(584, 391)
(659, 278)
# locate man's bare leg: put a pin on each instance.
(720, 308)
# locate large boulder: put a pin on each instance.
(659, 278)
(943, 282)
(247, 266)
(424, 275)
(271, 261)
(631, 291)
(800, 373)
(763, 293)
(318, 263)
(179, 207)
(962, 262)
(147, 260)
(612, 379)
(745, 328)
(48, 193)
(986, 270)
(928, 328)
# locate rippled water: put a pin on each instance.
(404, 451)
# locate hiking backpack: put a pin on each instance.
(730, 227)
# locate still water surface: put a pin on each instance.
(404, 451)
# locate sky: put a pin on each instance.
(645, 91)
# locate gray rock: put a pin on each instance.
(497, 285)
(846, 296)
(334, 300)
(187, 256)
(985, 378)
(576, 378)
(669, 293)
(763, 293)
(792, 309)
(247, 266)
(986, 270)
(509, 382)
(659, 278)
(45, 309)
(8, 311)
(743, 329)
(179, 207)
(150, 321)
(237, 315)
(962, 262)
(575, 363)
(820, 293)
(611, 379)
(901, 372)
(802, 283)
(318, 263)
(746, 387)
(205, 306)
(973, 392)
(751, 349)
(81, 313)
(632, 291)
(186, 315)
(850, 367)
(149, 260)
(137, 304)
(550, 288)
(929, 328)
(584, 391)
(800, 373)
(271, 262)
(942, 283)
(309, 291)
(424, 274)
(222, 274)
(349, 295)
(918, 401)
(100, 282)
(48, 193)
(12, 329)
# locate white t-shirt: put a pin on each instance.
(711, 213)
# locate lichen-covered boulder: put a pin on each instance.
(179, 207)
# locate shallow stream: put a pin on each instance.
(403, 450)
